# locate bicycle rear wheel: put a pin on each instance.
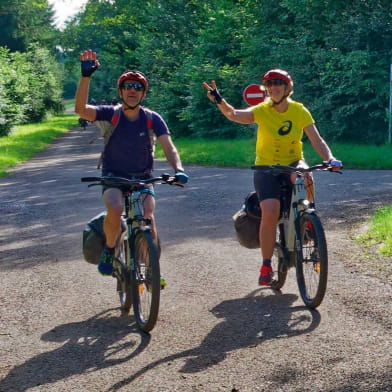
(145, 281)
(124, 278)
(312, 269)
(279, 268)
(278, 262)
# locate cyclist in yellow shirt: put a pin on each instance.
(281, 123)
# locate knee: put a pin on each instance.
(270, 213)
(114, 210)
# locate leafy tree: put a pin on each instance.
(30, 87)
(338, 52)
(23, 22)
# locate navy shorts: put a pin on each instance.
(148, 188)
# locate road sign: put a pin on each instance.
(254, 94)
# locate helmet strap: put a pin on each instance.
(281, 100)
(274, 103)
(128, 107)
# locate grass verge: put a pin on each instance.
(27, 140)
(379, 234)
(241, 153)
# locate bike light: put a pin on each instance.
(304, 203)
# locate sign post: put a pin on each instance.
(390, 107)
(254, 94)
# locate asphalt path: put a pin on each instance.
(60, 325)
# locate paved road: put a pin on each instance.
(61, 330)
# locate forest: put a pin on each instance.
(338, 52)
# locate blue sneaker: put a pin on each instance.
(105, 265)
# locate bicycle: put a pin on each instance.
(83, 123)
(136, 266)
(301, 239)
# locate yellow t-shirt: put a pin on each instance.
(279, 134)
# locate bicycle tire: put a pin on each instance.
(279, 268)
(312, 269)
(124, 279)
(145, 281)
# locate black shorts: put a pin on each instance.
(268, 186)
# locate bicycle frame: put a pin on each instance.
(133, 213)
(290, 219)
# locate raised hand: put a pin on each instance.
(88, 62)
(212, 92)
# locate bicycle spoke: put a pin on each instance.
(146, 281)
(312, 269)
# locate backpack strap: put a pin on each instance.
(150, 129)
(107, 128)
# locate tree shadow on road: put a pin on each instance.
(97, 343)
(246, 322)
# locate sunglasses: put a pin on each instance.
(274, 82)
(128, 86)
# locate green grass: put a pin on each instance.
(69, 103)
(224, 153)
(27, 140)
(380, 232)
(241, 153)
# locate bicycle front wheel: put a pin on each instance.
(312, 268)
(145, 281)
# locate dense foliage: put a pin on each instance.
(23, 22)
(31, 78)
(30, 86)
(338, 52)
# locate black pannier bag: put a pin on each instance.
(247, 222)
(94, 238)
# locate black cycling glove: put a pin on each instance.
(217, 97)
(88, 67)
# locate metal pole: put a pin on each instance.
(390, 107)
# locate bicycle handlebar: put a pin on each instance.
(325, 166)
(133, 184)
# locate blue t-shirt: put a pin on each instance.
(129, 150)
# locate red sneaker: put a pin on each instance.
(266, 274)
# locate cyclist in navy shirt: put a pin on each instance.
(128, 151)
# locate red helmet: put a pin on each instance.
(278, 74)
(135, 75)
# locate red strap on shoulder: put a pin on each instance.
(149, 122)
(149, 118)
(115, 119)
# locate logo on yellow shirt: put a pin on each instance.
(286, 128)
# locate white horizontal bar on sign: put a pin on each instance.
(255, 95)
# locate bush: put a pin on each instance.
(30, 87)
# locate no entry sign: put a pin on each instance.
(254, 94)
